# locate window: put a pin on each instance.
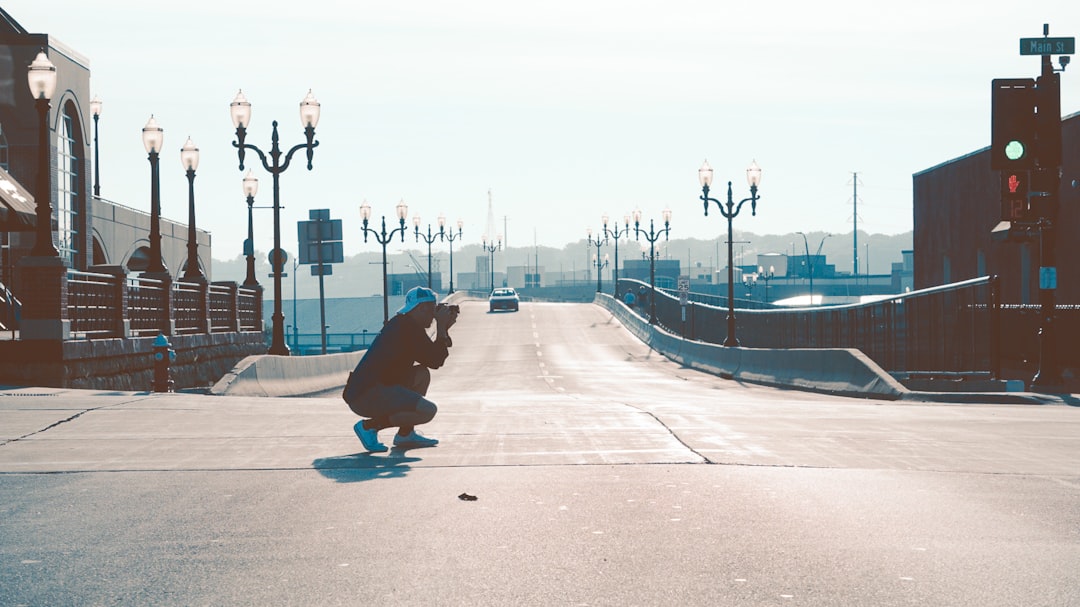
(67, 190)
(3, 150)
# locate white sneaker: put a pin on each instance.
(414, 440)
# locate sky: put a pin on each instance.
(563, 110)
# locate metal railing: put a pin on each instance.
(304, 344)
(952, 328)
(103, 305)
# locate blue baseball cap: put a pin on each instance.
(417, 296)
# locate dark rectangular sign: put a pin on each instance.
(326, 231)
(1047, 46)
(332, 252)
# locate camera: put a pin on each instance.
(456, 309)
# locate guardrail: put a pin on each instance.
(102, 305)
(952, 328)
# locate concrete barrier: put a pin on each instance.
(841, 371)
(268, 375)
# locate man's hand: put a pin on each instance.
(445, 317)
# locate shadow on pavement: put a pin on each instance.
(365, 466)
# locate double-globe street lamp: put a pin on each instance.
(753, 177)
(491, 247)
(809, 263)
(766, 276)
(615, 234)
(41, 76)
(450, 237)
(251, 187)
(430, 238)
(598, 242)
(652, 236)
(189, 157)
(240, 110)
(383, 237)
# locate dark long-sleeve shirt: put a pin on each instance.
(400, 344)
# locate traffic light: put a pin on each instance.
(1012, 136)
(1048, 120)
(1014, 196)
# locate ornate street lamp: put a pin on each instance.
(153, 137)
(95, 109)
(450, 237)
(384, 238)
(750, 282)
(251, 187)
(809, 262)
(429, 239)
(596, 258)
(766, 276)
(652, 236)
(616, 234)
(240, 110)
(189, 157)
(753, 177)
(491, 248)
(41, 77)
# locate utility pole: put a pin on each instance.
(855, 222)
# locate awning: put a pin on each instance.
(18, 211)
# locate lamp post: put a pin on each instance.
(429, 239)
(600, 264)
(616, 234)
(384, 238)
(189, 157)
(450, 237)
(596, 258)
(240, 110)
(750, 282)
(251, 187)
(652, 236)
(41, 77)
(753, 177)
(95, 109)
(766, 276)
(809, 263)
(153, 137)
(491, 248)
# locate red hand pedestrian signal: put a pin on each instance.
(1013, 183)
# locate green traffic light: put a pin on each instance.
(1014, 150)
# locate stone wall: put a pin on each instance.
(124, 364)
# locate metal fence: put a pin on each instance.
(114, 305)
(952, 328)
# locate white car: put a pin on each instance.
(503, 299)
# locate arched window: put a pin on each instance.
(67, 190)
(3, 150)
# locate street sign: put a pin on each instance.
(277, 258)
(327, 270)
(1047, 278)
(325, 230)
(332, 252)
(1047, 46)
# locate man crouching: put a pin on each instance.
(388, 386)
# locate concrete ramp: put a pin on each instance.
(267, 375)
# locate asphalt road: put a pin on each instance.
(604, 475)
